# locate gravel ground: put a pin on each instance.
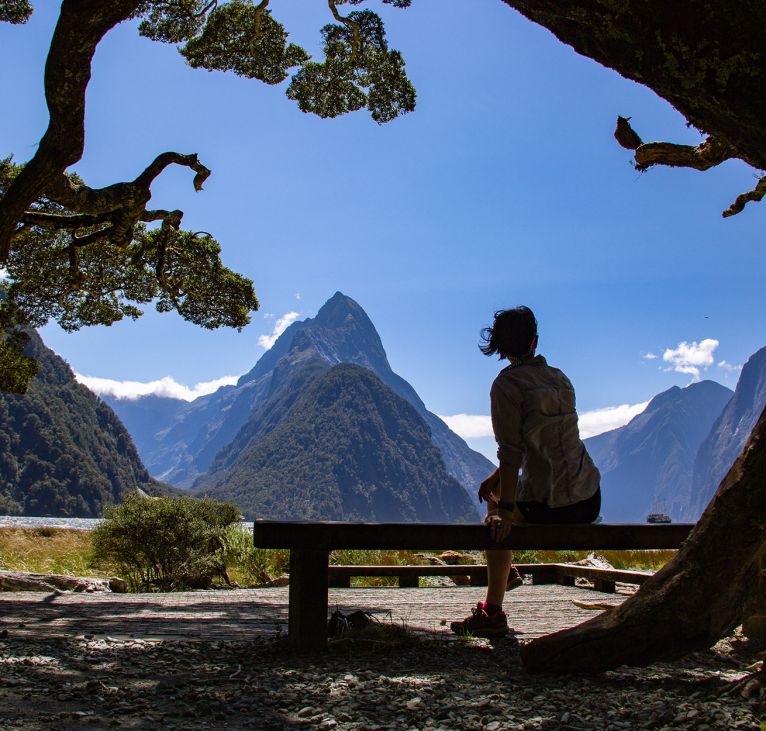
(374, 681)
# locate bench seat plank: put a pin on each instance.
(329, 535)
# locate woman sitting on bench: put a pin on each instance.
(546, 475)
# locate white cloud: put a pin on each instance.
(650, 356)
(475, 426)
(267, 341)
(167, 387)
(469, 426)
(611, 417)
(690, 357)
(729, 366)
(297, 295)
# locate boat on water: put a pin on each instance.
(658, 518)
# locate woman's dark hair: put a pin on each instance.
(512, 333)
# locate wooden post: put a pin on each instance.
(339, 581)
(608, 587)
(409, 581)
(307, 627)
(479, 577)
(567, 580)
(545, 574)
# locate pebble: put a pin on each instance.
(126, 682)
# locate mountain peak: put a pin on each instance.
(340, 310)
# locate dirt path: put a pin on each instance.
(248, 613)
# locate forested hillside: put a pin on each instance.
(63, 451)
(347, 447)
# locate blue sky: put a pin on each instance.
(504, 187)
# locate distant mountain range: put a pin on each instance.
(671, 458)
(647, 465)
(64, 452)
(218, 442)
(322, 427)
(728, 435)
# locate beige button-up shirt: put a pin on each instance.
(535, 425)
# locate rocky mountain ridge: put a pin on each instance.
(647, 465)
(672, 457)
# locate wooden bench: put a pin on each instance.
(310, 543)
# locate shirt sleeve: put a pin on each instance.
(505, 403)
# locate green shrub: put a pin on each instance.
(166, 543)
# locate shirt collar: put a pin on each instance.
(536, 360)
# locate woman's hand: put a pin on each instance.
(489, 486)
(500, 523)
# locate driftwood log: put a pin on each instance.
(714, 583)
(22, 581)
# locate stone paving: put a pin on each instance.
(244, 614)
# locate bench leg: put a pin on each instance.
(543, 574)
(478, 577)
(409, 582)
(307, 628)
(339, 582)
(606, 586)
(567, 580)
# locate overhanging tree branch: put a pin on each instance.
(81, 26)
(706, 155)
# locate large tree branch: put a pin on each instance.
(707, 154)
(704, 156)
(121, 205)
(756, 194)
(81, 25)
(349, 24)
(706, 58)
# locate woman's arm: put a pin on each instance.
(500, 522)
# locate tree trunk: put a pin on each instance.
(712, 585)
(23, 581)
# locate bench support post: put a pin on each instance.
(339, 582)
(545, 574)
(407, 581)
(606, 586)
(307, 627)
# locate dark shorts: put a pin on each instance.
(585, 511)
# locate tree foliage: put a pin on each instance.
(85, 256)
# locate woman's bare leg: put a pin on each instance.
(498, 567)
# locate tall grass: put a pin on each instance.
(67, 551)
(247, 565)
(48, 551)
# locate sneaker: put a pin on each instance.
(514, 579)
(481, 624)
